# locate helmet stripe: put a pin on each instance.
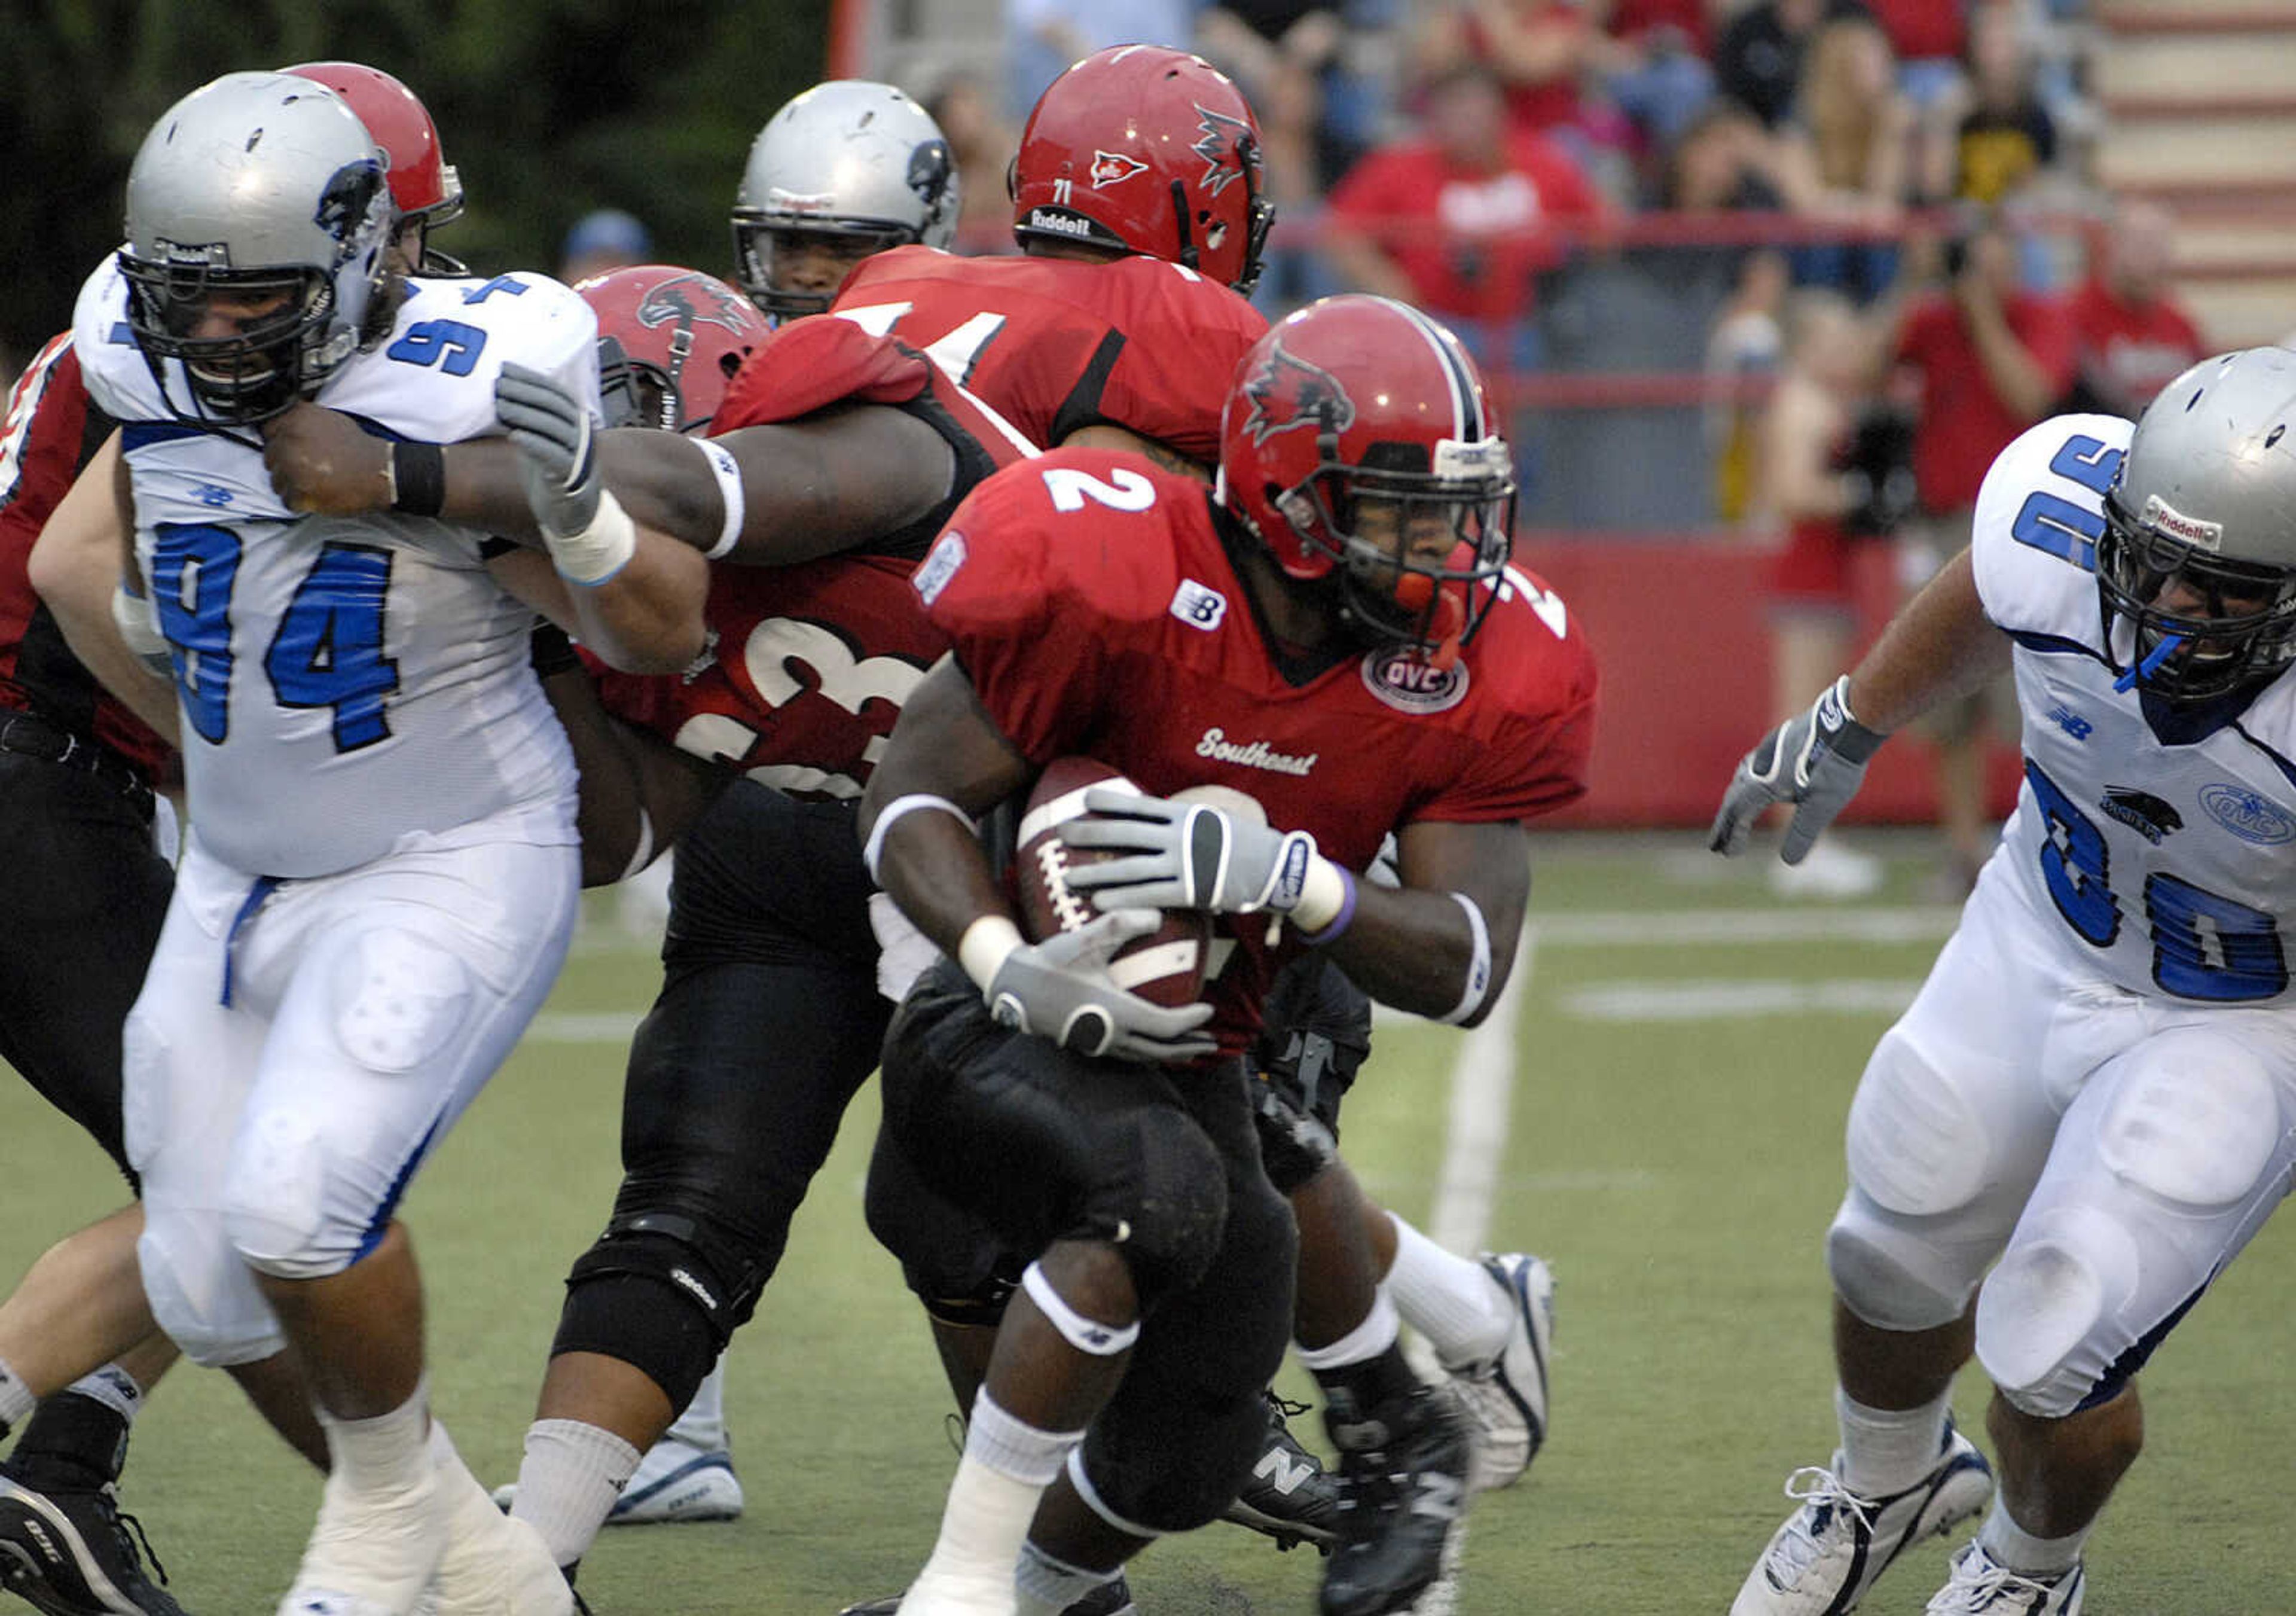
(1466, 414)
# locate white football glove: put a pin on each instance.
(589, 536)
(1815, 761)
(1060, 989)
(1187, 856)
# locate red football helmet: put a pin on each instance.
(1148, 151)
(422, 184)
(1358, 444)
(669, 341)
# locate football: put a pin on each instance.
(1166, 966)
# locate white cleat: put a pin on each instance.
(1837, 1544)
(371, 1553)
(1505, 1397)
(1979, 1587)
(674, 1482)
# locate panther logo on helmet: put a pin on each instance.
(930, 169)
(350, 194)
(1222, 148)
(692, 299)
(1288, 393)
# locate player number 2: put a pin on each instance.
(1126, 489)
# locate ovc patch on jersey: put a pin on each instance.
(1199, 605)
(2247, 814)
(940, 567)
(1411, 683)
(2142, 812)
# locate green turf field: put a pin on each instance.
(1672, 1146)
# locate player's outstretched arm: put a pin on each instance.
(80, 565)
(1940, 646)
(836, 480)
(947, 761)
(324, 463)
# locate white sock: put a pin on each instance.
(1887, 1450)
(114, 1388)
(568, 1482)
(470, 1495)
(1448, 1298)
(1377, 1333)
(1006, 1466)
(703, 1425)
(1047, 1587)
(385, 1452)
(16, 1399)
(2012, 1545)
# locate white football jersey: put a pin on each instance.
(2168, 855)
(346, 683)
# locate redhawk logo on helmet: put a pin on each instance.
(1288, 393)
(1222, 148)
(1113, 168)
(694, 298)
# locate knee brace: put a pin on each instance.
(201, 1294)
(619, 1291)
(2044, 1318)
(1164, 1205)
(1294, 1145)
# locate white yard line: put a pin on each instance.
(1474, 1149)
(1730, 999)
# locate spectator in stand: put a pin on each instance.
(1758, 58)
(1458, 219)
(1546, 55)
(2003, 136)
(1843, 156)
(1805, 438)
(1042, 37)
(1989, 358)
(1653, 62)
(981, 144)
(1746, 345)
(2131, 336)
(605, 239)
(1928, 37)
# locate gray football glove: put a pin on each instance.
(1185, 856)
(1060, 989)
(557, 456)
(1815, 761)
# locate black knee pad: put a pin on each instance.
(1184, 1473)
(650, 1294)
(959, 1267)
(1162, 1195)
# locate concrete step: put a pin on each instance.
(2205, 152)
(2194, 16)
(2197, 71)
(2209, 246)
(2244, 314)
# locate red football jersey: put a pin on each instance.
(807, 666)
(1055, 344)
(52, 430)
(1091, 602)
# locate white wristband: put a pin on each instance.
(641, 854)
(1323, 893)
(1479, 965)
(873, 850)
(593, 555)
(131, 614)
(723, 466)
(985, 946)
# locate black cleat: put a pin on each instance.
(1289, 1494)
(1110, 1599)
(1403, 1468)
(68, 1551)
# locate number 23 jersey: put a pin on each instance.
(2167, 847)
(346, 683)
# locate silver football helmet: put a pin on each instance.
(2198, 553)
(257, 215)
(855, 166)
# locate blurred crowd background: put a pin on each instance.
(1777, 275)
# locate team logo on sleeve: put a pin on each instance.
(2247, 814)
(940, 566)
(1113, 168)
(1223, 149)
(1286, 392)
(2142, 812)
